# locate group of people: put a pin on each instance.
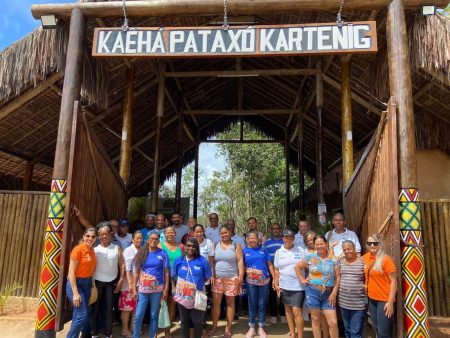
(302, 275)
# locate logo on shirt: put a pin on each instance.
(197, 268)
(159, 257)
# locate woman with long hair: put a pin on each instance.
(79, 283)
(381, 283)
(258, 267)
(322, 286)
(352, 294)
(228, 275)
(173, 250)
(150, 283)
(109, 268)
(287, 285)
(127, 301)
(189, 275)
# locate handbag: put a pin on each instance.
(163, 319)
(94, 293)
(200, 299)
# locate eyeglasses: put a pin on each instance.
(154, 239)
(372, 243)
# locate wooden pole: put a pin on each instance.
(127, 127)
(197, 146)
(155, 8)
(28, 176)
(288, 180)
(301, 177)
(46, 313)
(319, 132)
(159, 116)
(179, 163)
(346, 121)
(414, 321)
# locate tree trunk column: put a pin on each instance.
(48, 287)
(321, 208)
(127, 127)
(301, 175)
(159, 116)
(346, 122)
(28, 176)
(197, 146)
(288, 180)
(415, 306)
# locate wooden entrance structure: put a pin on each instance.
(301, 114)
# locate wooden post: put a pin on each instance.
(288, 179)
(414, 293)
(319, 132)
(28, 176)
(346, 121)
(159, 116)
(46, 313)
(127, 127)
(301, 177)
(179, 162)
(197, 146)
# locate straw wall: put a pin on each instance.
(435, 220)
(22, 226)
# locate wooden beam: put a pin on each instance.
(287, 205)
(319, 132)
(127, 128)
(300, 161)
(24, 98)
(242, 73)
(160, 8)
(242, 141)
(240, 112)
(196, 159)
(346, 122)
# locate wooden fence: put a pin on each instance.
(435, 218)
(22, 227)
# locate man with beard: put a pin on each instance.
(180, 229)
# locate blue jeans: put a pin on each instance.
(144, 299)
(353, 322)
(383, 325)
(257, 295)
(80, 315)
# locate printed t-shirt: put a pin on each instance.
(321, 271)
(347, 235)
(86, 260)
(378, 283)
(199, 272)
(285, 261)
(213, 234)
(255, 261)
(125, 242)
(155, 265)
(272, 245)
(180, 231)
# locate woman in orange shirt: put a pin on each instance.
(79, 283)
(381, 283)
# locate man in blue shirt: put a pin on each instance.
(272, 245)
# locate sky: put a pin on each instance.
(16, 22)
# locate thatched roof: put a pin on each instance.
(29, 71)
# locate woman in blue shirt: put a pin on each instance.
(152, 281)
(190, 272)
(257, 266)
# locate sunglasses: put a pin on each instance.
(372, 243)
(89, 236)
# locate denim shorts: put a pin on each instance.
(318, 300)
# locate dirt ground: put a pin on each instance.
(22, 326)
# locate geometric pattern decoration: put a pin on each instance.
(415, 309)
(51, 261)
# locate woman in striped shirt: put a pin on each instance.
(352, 293)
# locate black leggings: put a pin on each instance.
(104, 304)
(196, 317)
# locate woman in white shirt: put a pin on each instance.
(109, 258)
(287, 284)
(127, 302)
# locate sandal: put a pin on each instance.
(226, 335)
(212, 332)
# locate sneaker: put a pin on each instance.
(273, 320)
(283, 320)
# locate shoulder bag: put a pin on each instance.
(200, 299)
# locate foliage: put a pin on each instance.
(6, 293)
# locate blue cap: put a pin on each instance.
(123, 221)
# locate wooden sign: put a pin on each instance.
(307, 39)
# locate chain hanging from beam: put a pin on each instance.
(125, 26)
(339, 20)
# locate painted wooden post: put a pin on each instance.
(159, 116)
(179, 162)
(288, 180)
(346, 121)
(197, 146)
(301, 177)
(48, 287)
(28, 176)
(319, 132)
(127, 127)
(415, 305)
